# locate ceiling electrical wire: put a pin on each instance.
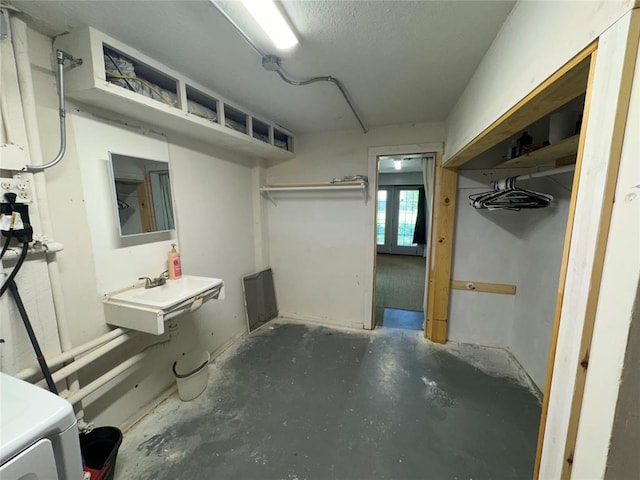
(273, 64)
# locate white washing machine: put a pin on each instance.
(38, 434)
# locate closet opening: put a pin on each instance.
(509, 239)
(402, 214)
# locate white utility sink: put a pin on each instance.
(171, 293)
(146, 309)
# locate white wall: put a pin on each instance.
(320, 243)
(35, 291)
(485, 244)
(520, 248)
(538, 264)
(214, 209)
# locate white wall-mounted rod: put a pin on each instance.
(79, 395)
(508, 182)
(77, 365)
(363, 186)
(316, 187)
(74, 352)
(547, 173)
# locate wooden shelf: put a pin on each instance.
(567, 83)
(546, 155)
(89, 84)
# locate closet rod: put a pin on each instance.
(362, 185)
(315, 187)
(546, 173)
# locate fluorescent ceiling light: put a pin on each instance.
(272, 22)
(397, 164)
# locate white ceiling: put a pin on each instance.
(401, 61)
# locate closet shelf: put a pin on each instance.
(315, 186)
(546, 155)
(120, 79)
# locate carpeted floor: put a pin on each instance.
(400, 282)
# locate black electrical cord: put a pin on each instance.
(6, 245)
(13, 289)
(16, 269)
(10, 285)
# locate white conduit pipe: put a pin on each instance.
(509, 182)
(7, 136)
(79, 395)
(74, 367)
(547, 173)
(74, 352)
(501, 184)
(27, 94)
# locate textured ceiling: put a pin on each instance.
(401, 61)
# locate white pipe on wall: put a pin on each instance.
(114, 338)
(74, 367)
(548, 173)
(79, 395)
(27, 94)
(74, 352)
(7, 134)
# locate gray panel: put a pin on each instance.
(624, 459)
(259, 298)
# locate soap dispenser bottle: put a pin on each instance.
(175, 268)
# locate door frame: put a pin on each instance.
(427, 148)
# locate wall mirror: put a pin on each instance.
(142, 195)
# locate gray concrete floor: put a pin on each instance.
(295, 401)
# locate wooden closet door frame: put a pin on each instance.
(558, 89)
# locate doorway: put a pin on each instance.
(402, 218)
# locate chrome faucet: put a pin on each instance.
(155, 282)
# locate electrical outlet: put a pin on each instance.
(20, 186)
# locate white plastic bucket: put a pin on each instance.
(191, 374)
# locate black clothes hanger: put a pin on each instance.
(506, 196)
